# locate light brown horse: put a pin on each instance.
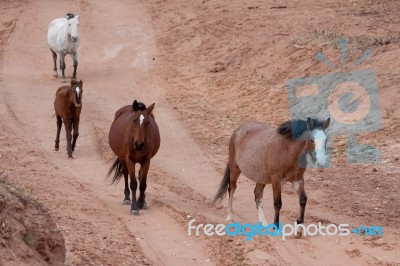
(273, 156)
(134, 138)
(68, 107)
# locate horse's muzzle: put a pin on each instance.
(139, 146)
(74, 39)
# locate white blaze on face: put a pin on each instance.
(141, 118)
(319, 141)
(78, 92)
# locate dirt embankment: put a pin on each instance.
(28, 233)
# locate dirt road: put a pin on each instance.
(119, 62)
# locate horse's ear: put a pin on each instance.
(326, 123)
(309, 124)
(150, 108)
(135, 106)
(77, 17)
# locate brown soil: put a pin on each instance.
(209, 66)
(28, 234)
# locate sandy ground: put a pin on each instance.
(208, 66)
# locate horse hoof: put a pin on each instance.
(264, 223)
(63, 80)
(56, 149)
(144, 207)
(135, 212)
(126, 202)
(70, 157)
(299, 234)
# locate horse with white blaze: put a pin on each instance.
(267, 155)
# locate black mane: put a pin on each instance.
(69, 16)
(295, 128)
(74, 82)
(136, 106)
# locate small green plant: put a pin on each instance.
(29, 239)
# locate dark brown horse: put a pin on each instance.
(134, 138)
(68, 107)
(274, 156)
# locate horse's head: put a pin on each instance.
(316, 140)
(73, 25)
(76, 92)
(141, 120)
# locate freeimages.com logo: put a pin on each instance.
(350, 99)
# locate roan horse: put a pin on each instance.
(68, 107)
(134, 138)
(63, 38)
(273, 156)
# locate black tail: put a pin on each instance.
(117, 168)
(224, 186)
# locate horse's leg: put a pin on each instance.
(55, 62)
(258, 195)
(276, 190)
(59, 124)
(144, 168)
(127, 200)
(74, 56)
(68, 125)
(302, 201)
(233, 177)
(76, 133)
(133, 185)
(62, 67)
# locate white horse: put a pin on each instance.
(63, 38)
